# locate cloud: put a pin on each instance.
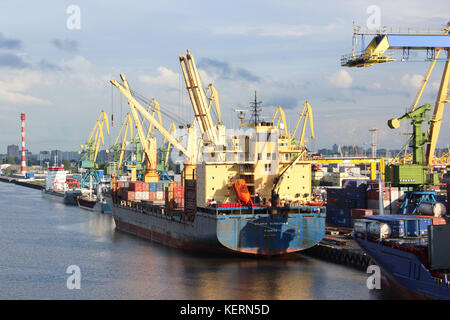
(276, 30)
(13, 88)
(65, 45)
(164, 77)
(6, 43)
(413, 81)
(286, 102)
(340, 79)
(223, 70)
(12, 60)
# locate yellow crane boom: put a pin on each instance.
(281, 118)
(135, 106)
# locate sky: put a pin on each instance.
(288, 51)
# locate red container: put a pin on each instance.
(360, 213)
(435, 220)
(136, 186)
(129, 195)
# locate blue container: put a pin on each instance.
(152, 186)
(100, 173)
(159, 186)
(29, 175)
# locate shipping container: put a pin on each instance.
(159, 195)
(145, 195)
(138, 195)
(128, 195)
(360, 213)
(152, 186)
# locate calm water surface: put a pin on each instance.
(40, 238)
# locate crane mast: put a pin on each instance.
(199, 101)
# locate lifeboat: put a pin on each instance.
(242, 193)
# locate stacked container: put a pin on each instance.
(340, 202)
(390, 197)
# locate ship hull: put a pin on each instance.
(91, 205)
(257, 234)
(403, 272)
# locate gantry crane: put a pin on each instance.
(149, 145)
(417, 175)
(90, 150)
(434, 44)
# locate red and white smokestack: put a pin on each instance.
(23, 167)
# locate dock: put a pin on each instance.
(339, 247)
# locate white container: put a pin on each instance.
(159, 195)
(138, 195)
(145, 195)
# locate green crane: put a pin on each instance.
(415, 174)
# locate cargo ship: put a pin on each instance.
(227, 228)
(242, 191)
(412, 254)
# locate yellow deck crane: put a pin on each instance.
(212, 134)
(118, 148)
(148, 145)
(90, 149)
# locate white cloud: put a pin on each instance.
(164, 77)
(340, 79)
(413, 81)
(15, 84)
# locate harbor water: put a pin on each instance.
(41, 238)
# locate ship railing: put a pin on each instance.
(445, 282)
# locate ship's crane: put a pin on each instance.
(90, 150)
(118, 148)
(211, 133)
(149, 146)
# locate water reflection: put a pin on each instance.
(39, 238)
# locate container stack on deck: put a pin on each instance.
(142, 191)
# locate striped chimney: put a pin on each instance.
(23, 167)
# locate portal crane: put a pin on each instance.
(149, 146)
(118, 148)
(419, 174)
(90, 150)
(433, 43)
(281, 119)
(305, 116)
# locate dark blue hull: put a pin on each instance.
(405, 271)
